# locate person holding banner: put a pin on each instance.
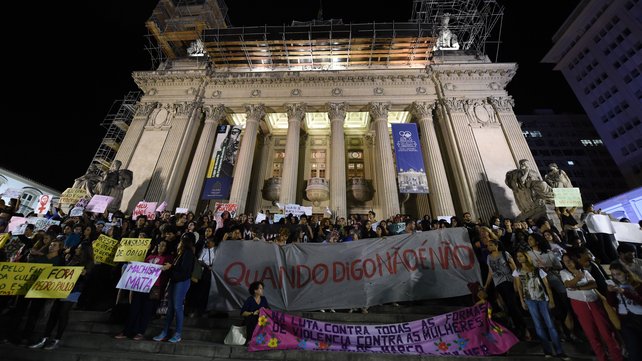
(83, 255)
(536, 296)
(180, 278)
(55, 258)
(143, 305)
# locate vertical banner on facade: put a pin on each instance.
(411, 173)
(466, 332)
(221, 168)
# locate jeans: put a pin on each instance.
(176, 305)
(539, 312)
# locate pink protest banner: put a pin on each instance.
(98, 203)
(466, 332)
(147, 209)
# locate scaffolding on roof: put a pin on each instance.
(175, 24)
(473, 21)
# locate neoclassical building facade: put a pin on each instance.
(322, 138)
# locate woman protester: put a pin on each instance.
(252, 306)
(180, 278)
(626, 293)
(143, 304)
(581, 289)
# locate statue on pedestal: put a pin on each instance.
(446, 39)
(529, 190)
(557, 178)
(113, 183)
(89, 180)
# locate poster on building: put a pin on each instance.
(466, 332)
(217, 188)
(218, 182)
(411, 173)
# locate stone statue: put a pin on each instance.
(529, 190)
(446, 39)
(113, 183)
(89, 180)
(557, 178)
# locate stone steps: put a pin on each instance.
(89, 337)
(99, 347)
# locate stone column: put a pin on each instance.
(168, 172)
(240, 187)
(296, 112)
(258, 172)
(440, 196)
(388, 192)
(337, 115)
(510, 126)
(134, 132)
(478, 190)
(198, 168)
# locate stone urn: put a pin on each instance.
(359, 189)
(317, 191)
(272, 189)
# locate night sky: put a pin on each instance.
(82, 59)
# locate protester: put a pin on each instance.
(536, 296)
(143, 304)
(581, 289)
(252, 306)
(181, 271)
(626, 294)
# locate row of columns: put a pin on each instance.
(440, 197)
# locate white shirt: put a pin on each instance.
(579, 295)
(208, 255)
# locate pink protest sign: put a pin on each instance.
(466, 332)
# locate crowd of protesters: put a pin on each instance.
(554, 274)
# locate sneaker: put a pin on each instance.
(39, 344)
(351, 310)
(120, 336)
(564, 357)
(53, 345)
(139, 337)
(321, 310)
(161, 337)
(395, 304)
(176, 338)
(547, 355)
(364, 310)
(332, 310)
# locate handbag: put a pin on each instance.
(610, 312)
(197, 271)
(164, 303)
(235, 336)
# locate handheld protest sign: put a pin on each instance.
(16, 278)
(132, 250)
(55, 282)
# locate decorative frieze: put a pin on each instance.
(337, 111)
(213, 113)
(502, 104)
(379, 110)
(480, 113)
(255, 112)
(454, 104)
(295, 111)
(422, 110)
(295, 92)
(145, 109)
